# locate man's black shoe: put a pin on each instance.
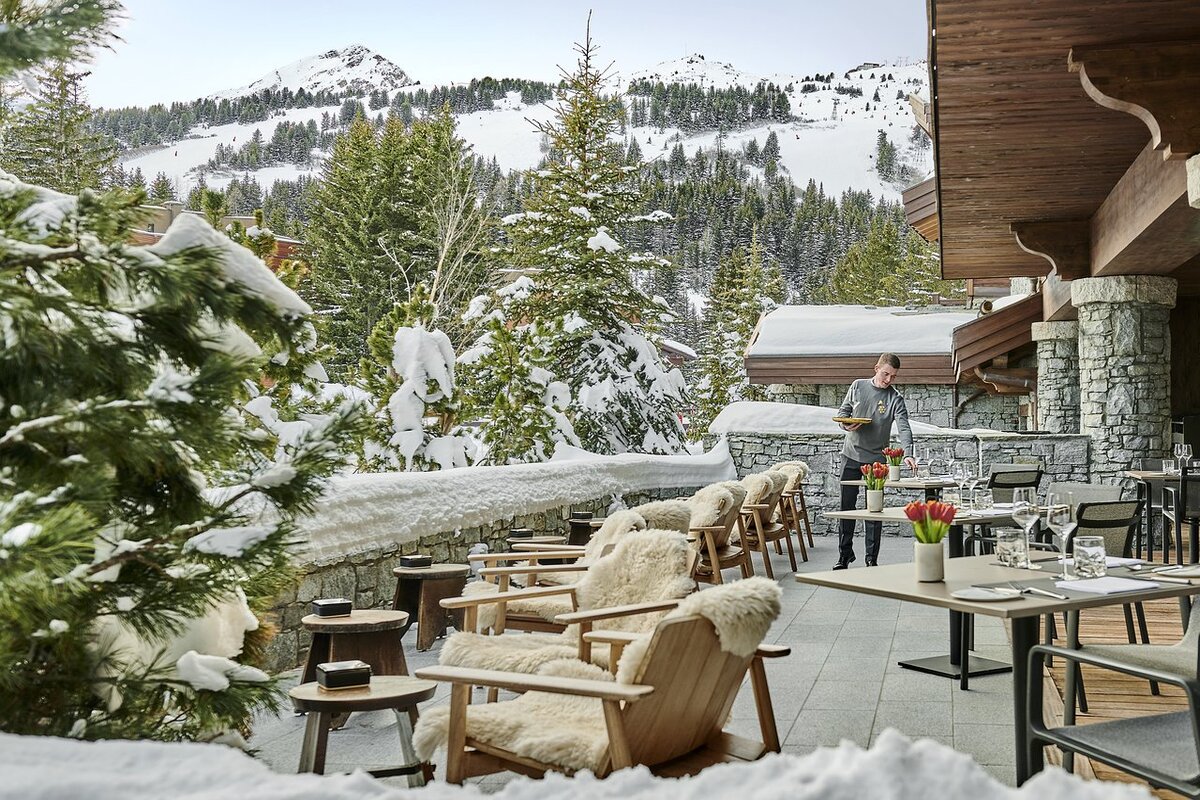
(843, 563)
(872, 562)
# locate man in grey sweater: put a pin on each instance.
(875, 399)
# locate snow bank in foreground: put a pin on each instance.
(363, 510)
(754, 417)
(894, 769)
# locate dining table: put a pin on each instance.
(931, 485)
(949, 665)
(1022, 611)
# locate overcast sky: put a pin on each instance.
(180, 49)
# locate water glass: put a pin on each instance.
(1170, 466)
(1090, 557)
(952, 496)
(1012, 548)
(984, 500)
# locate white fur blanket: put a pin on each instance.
(569, 731)
(645, 566)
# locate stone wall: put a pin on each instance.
(1063, 457)
(1124, 368)
(930, 403)
(365, 575)
(1058, 376)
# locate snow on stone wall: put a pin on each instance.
(367, 522)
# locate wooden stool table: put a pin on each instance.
(370, 635)
(399, 693)
(419, 592)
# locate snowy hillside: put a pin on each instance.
(354, 68)
(832, 140)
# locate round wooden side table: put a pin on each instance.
(399, 693)
(419, 592)
(371, 635)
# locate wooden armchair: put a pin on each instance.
(646, 567)
(793, 508)
(764, 491)
(716, 510)
(665, 708)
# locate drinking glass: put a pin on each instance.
(1012, 548)
(1170, 466)
(1025, 511)
(1058, 520)
(1090, 557)
(984, 499)
(1177, 450)
(1185, 454)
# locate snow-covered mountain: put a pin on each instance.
(355, 68)
(832, 139)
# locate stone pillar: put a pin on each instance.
(1124, 369)
(1058, 376)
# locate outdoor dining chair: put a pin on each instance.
(1180, 506)
(1163, 749)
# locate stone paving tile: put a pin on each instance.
(987, 744)
(915, 719)
(830, 726)
(853, 695)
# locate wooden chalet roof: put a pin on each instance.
(995, 334)
(1036, 137)
(921, 209)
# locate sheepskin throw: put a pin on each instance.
(568, 731)
(710, 505)
(757, 486)
(796, 471)
(741, 612)
(645, 566)
(666, 515)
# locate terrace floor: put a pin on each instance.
(840, 682)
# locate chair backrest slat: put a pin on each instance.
(695, 685)
(1002, 483)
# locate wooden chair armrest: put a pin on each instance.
(492, 558)
(530, 547)
(532, 569)
(707, 529)
(612, 637)
(615, 611)
(759, 506)
(773, 651)
(521, 682)
(504, 597)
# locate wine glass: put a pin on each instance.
(1185, 455)
(1059, 521)
(1024, 511)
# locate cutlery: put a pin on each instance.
(1170, 568)
(1044, 593)
(1161, 579)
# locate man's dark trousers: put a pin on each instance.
(851, 471)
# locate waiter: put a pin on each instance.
(875, 399)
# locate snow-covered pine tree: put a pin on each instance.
(128, 591)
(742, 291)
(258, 238)
(50, 143)
(586, 293)
(508, 386)
(411, 373)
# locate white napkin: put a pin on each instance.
(1110, 561)
(1107, 585)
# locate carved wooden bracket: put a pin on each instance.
(1157, 82)
(1066, 244)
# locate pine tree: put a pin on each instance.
(162, 190)
(258, 238)
(114, 421)
(622, 398)
(411, 372)
(50, 143)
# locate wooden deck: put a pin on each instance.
(1112, 695)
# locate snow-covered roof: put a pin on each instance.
(133, 770)
(360, 511)
(759, 417)
(678, 347)
(855, 330)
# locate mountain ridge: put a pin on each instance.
(354, 68)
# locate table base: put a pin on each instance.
(942, 665)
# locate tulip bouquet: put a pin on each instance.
(931, 520)
(875, 475)
(894, 455)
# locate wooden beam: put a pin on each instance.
(1066, 244)
(1145, 225)
(1157, 82)
(1056, 299)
